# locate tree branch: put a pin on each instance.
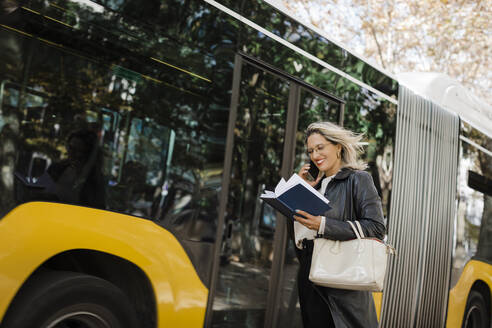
(373, 33)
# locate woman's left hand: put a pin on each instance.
(309, 221)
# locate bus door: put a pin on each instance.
(255, 278)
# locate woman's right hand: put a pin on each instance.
(304, 174)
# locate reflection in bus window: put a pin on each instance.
(159, 136)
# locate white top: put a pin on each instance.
(302, 232)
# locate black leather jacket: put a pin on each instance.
(365, 206)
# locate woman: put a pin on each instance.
(352, 196)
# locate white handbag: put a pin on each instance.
(358, 264)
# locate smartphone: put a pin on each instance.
(313, 170)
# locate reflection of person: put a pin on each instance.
(352, 196)
(78, 179)
(133, 180)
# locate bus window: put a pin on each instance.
(483, 185)
(137, 126)
(247, 254)
(473, 239)
(139, 166)
(377, 120)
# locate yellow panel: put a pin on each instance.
(34, 232)
(473, 271)
(378, 298)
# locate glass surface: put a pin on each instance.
(87, 71)
(306, 39)
(272, 52)
(312, 108)
(100, 108)
(247, 250)
(367, 113)
(289, 314)
(473, 229)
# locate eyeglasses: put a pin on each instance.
(317, 148)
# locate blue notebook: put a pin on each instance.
(296, 194)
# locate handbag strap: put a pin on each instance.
(354, 229)
(351, 198)
(358, 232)
(359, 227)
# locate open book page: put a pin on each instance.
(281, 185)
(268, 194)
(292, 182)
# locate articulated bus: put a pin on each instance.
(137, 136)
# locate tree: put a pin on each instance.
(447, 36)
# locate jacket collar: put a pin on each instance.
(343, 174)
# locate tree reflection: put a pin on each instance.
(111, 70)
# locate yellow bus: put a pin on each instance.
(137, 136)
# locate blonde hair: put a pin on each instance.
(350, 142)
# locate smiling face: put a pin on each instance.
(324, 154)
